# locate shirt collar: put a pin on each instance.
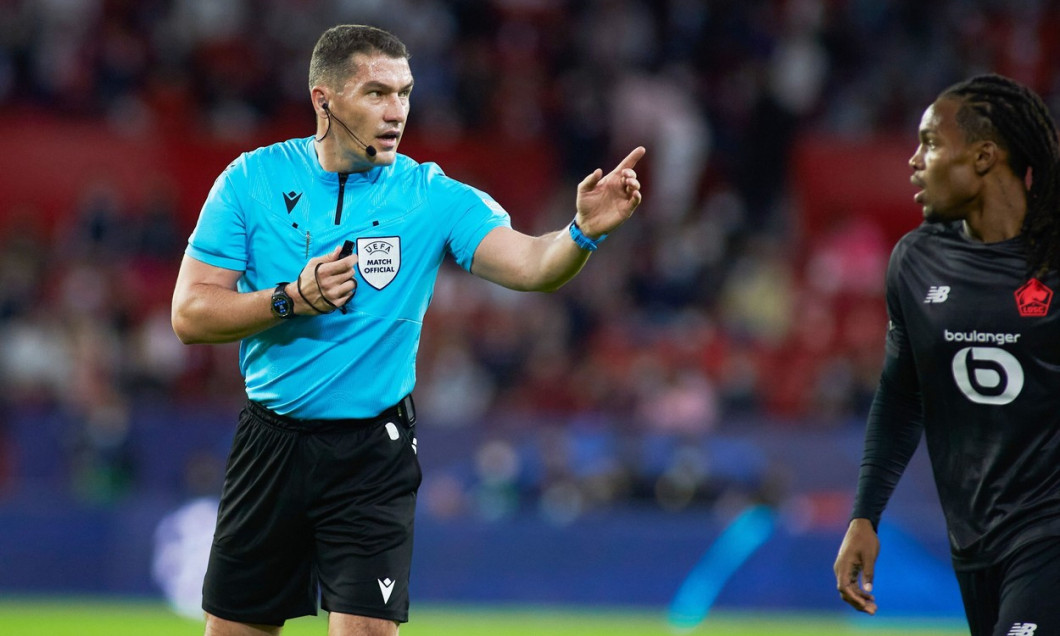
(368, 176)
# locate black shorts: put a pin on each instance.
(308, 508)
(1017, 597)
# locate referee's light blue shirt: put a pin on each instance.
(275, 208)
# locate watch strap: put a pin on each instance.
(582, 240)
(281, 302)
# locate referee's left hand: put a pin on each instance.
(604, 202)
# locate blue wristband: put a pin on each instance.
(582, 240)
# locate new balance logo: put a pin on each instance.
(1023, 629)
(937, 294)
(386, 586)
(291, 199)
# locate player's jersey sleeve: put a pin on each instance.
(220, 236)
(895, 420)
(899, 378)
(473, 215)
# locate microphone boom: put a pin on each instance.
(368, 148)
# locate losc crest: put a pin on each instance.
(379, 259)
(1033, 298)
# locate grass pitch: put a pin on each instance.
(81, 617)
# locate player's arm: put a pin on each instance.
(892, 433)
(544, 263)
(891, 437)
(208, 308)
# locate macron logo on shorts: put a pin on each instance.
(1023, 629)
(386, 586)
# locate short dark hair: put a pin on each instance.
(330, 63)
(1013, 116)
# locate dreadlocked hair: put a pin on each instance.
(1011, 115)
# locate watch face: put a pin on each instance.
(281, 305)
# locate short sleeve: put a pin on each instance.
(220, 236)
(476, 215)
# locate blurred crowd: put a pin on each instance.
(711, 310)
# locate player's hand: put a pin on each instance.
(857, 555)
(325, 283)
(604, 202)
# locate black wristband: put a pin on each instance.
(316, 277)
(299, 285)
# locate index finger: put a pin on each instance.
(631, 159)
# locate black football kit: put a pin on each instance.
(973, 361)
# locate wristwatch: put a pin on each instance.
(282, 305)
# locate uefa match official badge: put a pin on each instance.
(1033, 298)
(379, 259)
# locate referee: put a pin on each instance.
(973, 359)
(320, 255)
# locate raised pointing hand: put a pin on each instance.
(604, 202)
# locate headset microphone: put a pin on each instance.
(368, 148)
